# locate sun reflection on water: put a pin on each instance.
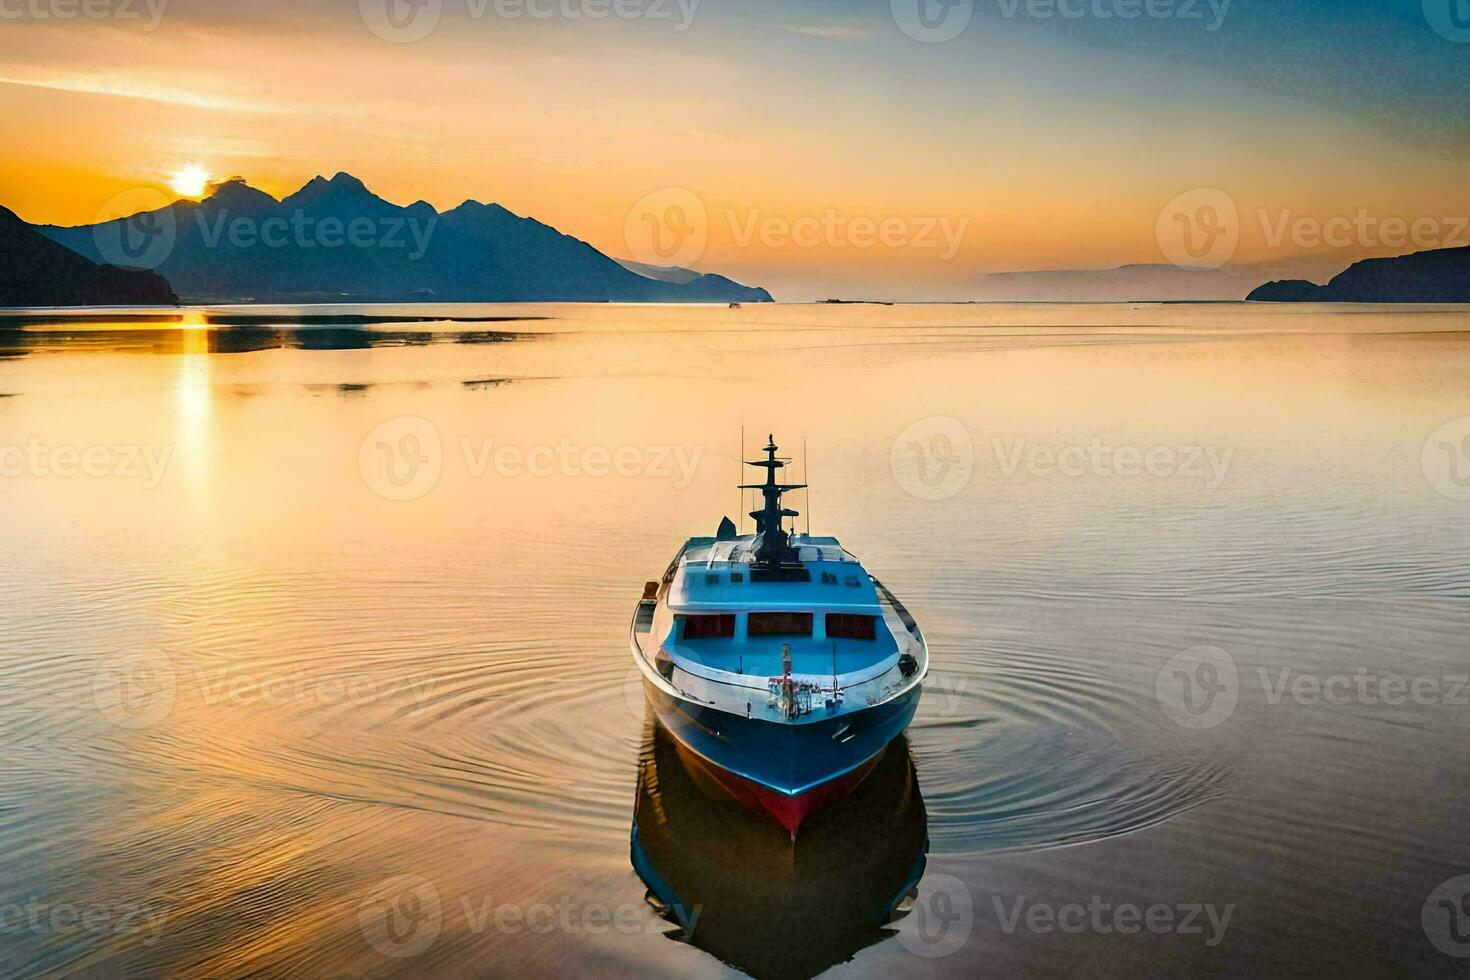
(194, 410)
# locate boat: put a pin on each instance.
(777, 659)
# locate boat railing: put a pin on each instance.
(910, 625)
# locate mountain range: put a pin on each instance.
(335, 241)
(35, 271)
(1438, 276)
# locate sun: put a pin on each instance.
(191, 180)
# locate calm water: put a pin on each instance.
(315, 640)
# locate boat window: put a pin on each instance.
(780, 575)
(707, 627)
(780, 624)
(845, 626)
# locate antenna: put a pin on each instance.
(740, 472)
(806, 478)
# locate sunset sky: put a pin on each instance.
(1054, 142)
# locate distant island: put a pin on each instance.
(1148, 282)
(335, 241)
(1439, 276)
(35, 271)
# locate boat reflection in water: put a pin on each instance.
(743, 891)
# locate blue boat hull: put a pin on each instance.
(788, 759)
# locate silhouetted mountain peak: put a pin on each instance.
(1436, 276)
(343, 186)
(344, 181)
(479, 208)
(237, 195)
(35, 270)
(663, 273)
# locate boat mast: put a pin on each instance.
(771, 538)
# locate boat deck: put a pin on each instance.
(748, 684)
